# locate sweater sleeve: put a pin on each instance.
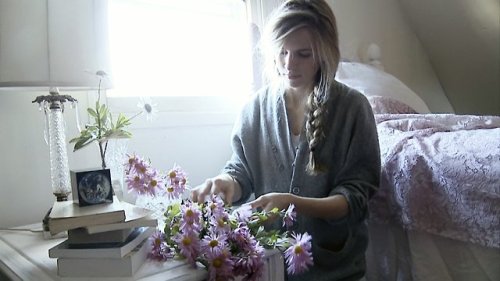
(238, 165)
(359, 177)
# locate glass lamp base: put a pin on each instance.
(61, 196)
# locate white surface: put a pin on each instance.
(24, 256)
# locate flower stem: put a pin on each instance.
(103, 155)
(99, 126)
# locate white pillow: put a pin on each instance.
(371, 81)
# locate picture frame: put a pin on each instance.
(91, 186)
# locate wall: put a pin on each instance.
(25, 169)
(382, 22)
(462, 38)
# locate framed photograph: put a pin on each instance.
(91, 187)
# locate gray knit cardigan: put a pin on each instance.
(265, 160)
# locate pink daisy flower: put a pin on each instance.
(242, 237)
(135, 183)
(215, 206)
(153, 181)
(214, 242)
(176, 182)
(189, 246)
(191, 217)
(220, 265)
(243, 213)
(220, 223)
(289, 216)
(218, 216)
(171, 192)
(160, 250)
(141, 177)
(298, 256)
(250, 263)
(136, 165)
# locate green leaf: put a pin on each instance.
(103, 112)
(83, 141)
(92, 112)
(102, 128)
(111, 121)
(83, 134)
(115, 134)
(122, 121)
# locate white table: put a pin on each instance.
(24, 256)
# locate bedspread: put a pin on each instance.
(440, 174)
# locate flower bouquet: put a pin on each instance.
(228, 243)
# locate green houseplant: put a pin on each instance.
(102, 127)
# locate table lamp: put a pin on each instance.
(53, 107)
(55, 45)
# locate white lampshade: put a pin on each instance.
(53, 43)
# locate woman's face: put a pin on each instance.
(296, 62)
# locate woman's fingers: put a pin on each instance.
(217, 186)
(199, 193)
(221, 186)
(271, 200)
(260, 202)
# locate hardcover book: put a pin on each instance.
(68, 215)
(80, 236)
(134, 217)
(101, 250)
(104, 267)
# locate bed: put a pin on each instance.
(436, 215)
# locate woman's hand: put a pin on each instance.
(330, 207)
(223, 185)
(273, 200)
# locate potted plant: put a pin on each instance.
(94, 186)
(102, 128)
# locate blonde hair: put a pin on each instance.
(318, 18)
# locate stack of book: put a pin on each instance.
(105, 240)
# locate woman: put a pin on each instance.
(307, 140)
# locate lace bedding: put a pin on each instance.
(440, 174)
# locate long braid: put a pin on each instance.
(315, 132)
